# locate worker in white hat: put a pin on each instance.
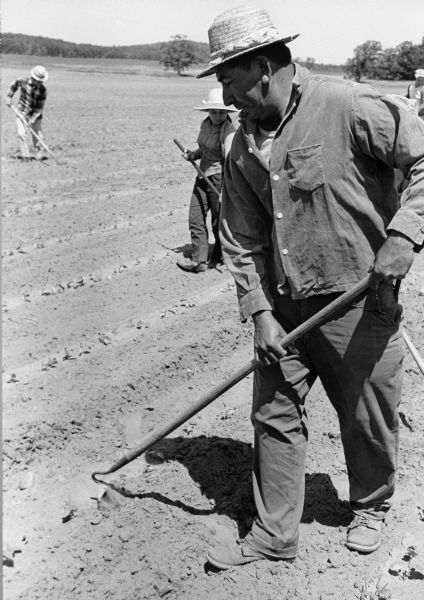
(214, 141)
(32, 98)
(416, 92)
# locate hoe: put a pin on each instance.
(208, 181)
(28, 126)
(318, 319)
(40, 140)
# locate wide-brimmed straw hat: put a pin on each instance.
(240, 30)
(39, 73)
(214, 101)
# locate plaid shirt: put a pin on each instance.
(32, 97)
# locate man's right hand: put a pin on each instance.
(9, 101)
(189, 155)
(268, 334)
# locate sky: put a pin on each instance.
(329, 29)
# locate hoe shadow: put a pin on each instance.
(221, 469)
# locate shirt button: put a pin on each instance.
(285, 251)
(250, 150)
(279, 215)
(276, 177)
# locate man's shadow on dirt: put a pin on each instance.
(221, 468)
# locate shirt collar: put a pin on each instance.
(300, 78)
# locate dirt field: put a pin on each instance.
(105, 340)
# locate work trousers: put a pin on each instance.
(358, 357)
(23, 137)
(202, 200)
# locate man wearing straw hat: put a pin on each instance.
(214, 141)
(32, 98)
(309, 207)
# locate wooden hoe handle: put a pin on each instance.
(208, 181)
(318, 319)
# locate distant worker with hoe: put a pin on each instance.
(416, 92)
(309, 208)
(214, 142)
(32, 98)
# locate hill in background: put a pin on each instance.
(19, 43)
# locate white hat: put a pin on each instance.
(240, 30)
(419, 73)
(214, 101)
(39, 73)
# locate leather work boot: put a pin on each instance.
(364, 534)
(191, 266)
(226, 557)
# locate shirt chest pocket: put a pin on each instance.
(304, 168)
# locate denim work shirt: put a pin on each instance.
(312, 220)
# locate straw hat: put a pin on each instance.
(419, 73)
(238, 31)
(39, 73)
(214, 101)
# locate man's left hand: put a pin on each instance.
(393, 260)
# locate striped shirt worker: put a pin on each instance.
(32, 97)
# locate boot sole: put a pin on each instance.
(188, 270)
(363, 549)
(221, 565)
(226, 566)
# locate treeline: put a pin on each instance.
(311, 63)
(19, 43)
(370, 60)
